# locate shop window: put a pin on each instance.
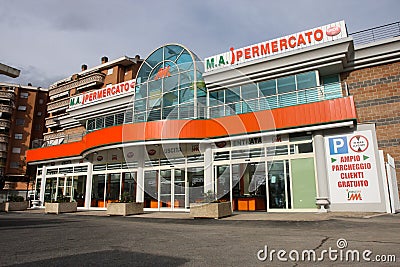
(221, 155)
(22, 108)
(295, 137)
(301, 148)
(222, 174)
(277, 150)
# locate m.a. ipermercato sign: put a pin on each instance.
(288, 43)
(106, 93)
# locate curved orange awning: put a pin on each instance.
(328, 111)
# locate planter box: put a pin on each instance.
(210, 210)
(15, 206)
(124, 209)
(62, 207)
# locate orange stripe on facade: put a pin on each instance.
(335, 110)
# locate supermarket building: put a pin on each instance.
(292, 124)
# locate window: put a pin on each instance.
(232, 95)
(38, 127)
(286, 84)
(41, 101)
(16, 150)
(267, 88)
(39, 114)
(306, 80)
(22, 108)
(23, 95)
(110, 71)
(249, 91)
(18, 136)
(14, 165)
(19, 121)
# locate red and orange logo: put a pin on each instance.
(162, 73)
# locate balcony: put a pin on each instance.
(7, 95)
(55, 139)
(64, 103)
(94, 79)
(4, 138)
(5, 123)
(3, 155)
(52, 121)
(6, 109)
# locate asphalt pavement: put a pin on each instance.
(90, 238)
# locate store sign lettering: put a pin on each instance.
(102, 94)
(352, 170)
(296, 41)
(249, 141)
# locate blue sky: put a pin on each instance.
(50, 39)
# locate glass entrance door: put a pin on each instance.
(279, 196)
(179, 188)
(166, 188)
(172, 189)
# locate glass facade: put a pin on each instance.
(170, 86)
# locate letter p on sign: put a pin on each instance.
(338, 145)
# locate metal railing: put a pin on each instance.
(377, 33)
(57, 140)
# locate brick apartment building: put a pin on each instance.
(22, 117)
(61, 125)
